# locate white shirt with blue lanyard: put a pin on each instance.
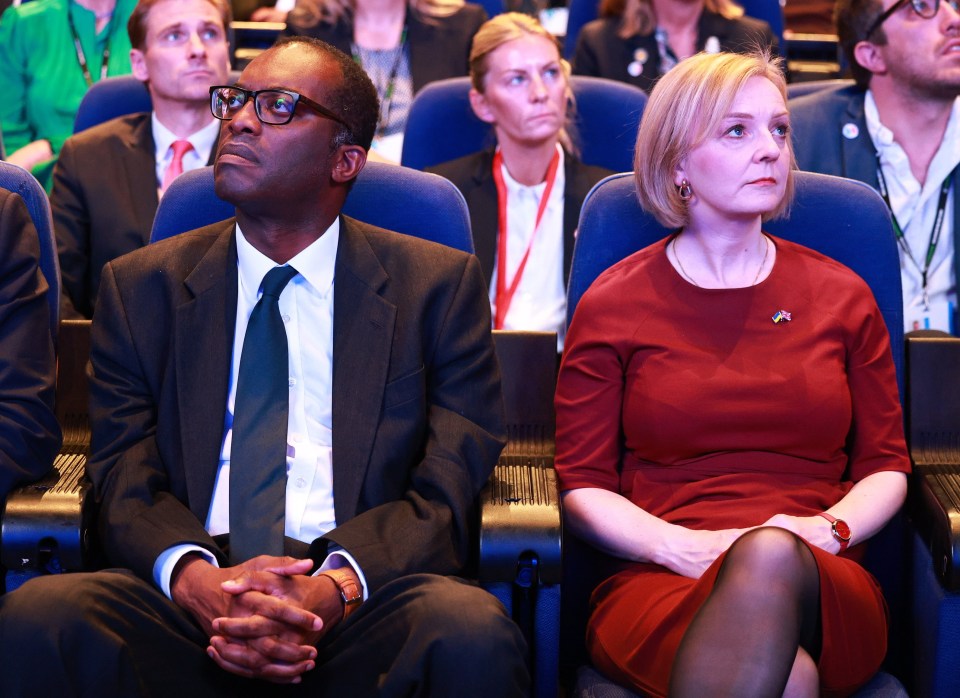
(923, 220)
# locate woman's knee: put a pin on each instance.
(769, 554)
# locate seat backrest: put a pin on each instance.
(116, 96)
(841, 218)
(442, 126)
(579, 13)
(109, 98)
(771, 12)
(18, 180)
(397, 198)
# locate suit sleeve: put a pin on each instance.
(71, 222)
(432, 527)
(29, 434)
(141, 514)
(585, 57)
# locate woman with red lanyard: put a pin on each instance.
(525, 195)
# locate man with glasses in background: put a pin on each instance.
(286, 479)
(898, 129)
(109, 179)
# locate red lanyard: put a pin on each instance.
(504, 295)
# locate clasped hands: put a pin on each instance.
(264, 617)
(698, 549)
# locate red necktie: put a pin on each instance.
(175, 168)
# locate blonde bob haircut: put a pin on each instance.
(309, 13)
(685, 108)
(638, 18)
(507, 27)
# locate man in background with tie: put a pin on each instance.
(293, 414)
(109, 178)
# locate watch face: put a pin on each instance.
(841, 529)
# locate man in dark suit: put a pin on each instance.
(898, 130)
(392, 423)
(29, 434)
(108, 179)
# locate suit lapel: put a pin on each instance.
(139, 171)
(482, 204)
(363, 323)
(203, 350)
(859, 153)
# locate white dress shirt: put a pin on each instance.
(915, 208)
(202, 142)
(540, 302)
(306, 307)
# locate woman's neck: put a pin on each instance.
(528, 164)
(378, 24)
(735, 256)
(679, 20)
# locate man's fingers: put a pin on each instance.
(245, 660)
(273, 608)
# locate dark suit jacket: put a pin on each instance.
(104, 199)
(29, 433)
(417, 413)
(439, 46)
(603, 54)
(818, 121)
(473, 176)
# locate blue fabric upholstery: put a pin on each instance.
(612, 226)
(397, 198)
(109, 98)
(442, 126)
(17, 179)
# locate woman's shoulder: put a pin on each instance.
(818, 272)
(34, 13)
(646, 269)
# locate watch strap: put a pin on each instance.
(839, 529)
(350, 590)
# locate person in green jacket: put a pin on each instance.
(51, 51)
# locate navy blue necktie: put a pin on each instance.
(258, 453)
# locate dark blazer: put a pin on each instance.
(473, 176)
(830, 136)
(439, 46)
(29, 433)
(417, 413)
(603, 54)
(104, 199)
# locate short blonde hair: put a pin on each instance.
(686, 105)
(638, 17)
(503, 29)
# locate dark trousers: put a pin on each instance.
(110, 633)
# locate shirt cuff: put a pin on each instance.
(341, 558)
(167, 562)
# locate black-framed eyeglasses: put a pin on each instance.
(927, 9)
(274, 107)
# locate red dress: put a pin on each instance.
(695, 405)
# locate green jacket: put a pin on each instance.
(41, 83)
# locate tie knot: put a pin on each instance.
(276, 280)
(181, 148)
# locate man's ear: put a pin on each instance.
(478, 102)
(870, 57)
(138, 63)
(348, 163)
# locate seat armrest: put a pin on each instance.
(933, 431)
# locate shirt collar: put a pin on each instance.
(202, 140)
(315, 263)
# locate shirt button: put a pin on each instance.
(285, 317)
(301, 483)
(291, 382)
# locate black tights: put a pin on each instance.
(764, 606)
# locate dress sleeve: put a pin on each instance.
(589, 398)
(876, 440)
